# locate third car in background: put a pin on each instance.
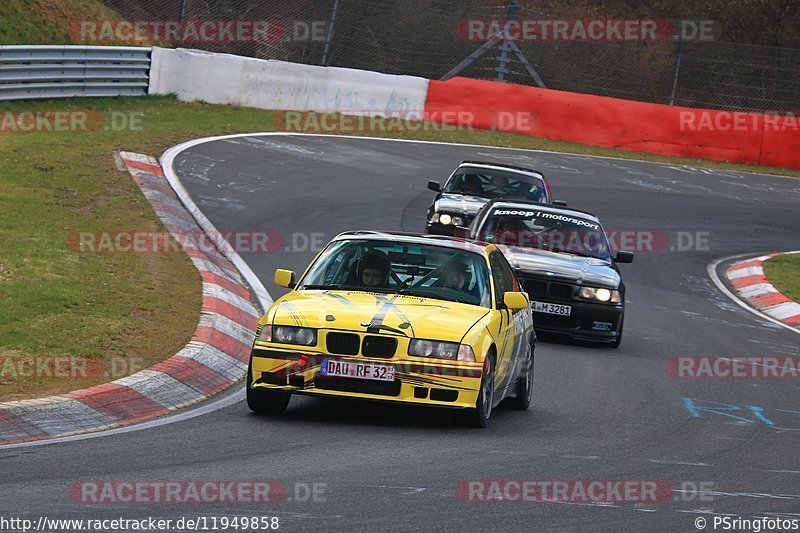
(473, 184)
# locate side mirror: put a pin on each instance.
(624, 257)
(515, 300)
(461, 231)
(434, 186)
(284, 278)
(562, 203)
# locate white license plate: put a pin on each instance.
(552, 309)
(350, 369)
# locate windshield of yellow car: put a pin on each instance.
(422, 270)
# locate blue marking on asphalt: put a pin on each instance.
(748, 414)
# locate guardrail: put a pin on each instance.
(65, 71)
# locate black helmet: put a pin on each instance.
(471, 182)
(374, 260)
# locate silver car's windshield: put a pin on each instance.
(487, 183)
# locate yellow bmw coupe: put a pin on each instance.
(416, 319)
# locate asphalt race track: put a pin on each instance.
(598, 413)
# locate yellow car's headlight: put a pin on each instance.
(438, 349)
(288, 335)
(451, 351)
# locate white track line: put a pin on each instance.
(195, 142)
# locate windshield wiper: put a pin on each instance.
(322, 287)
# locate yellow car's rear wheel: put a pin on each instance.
(523, 393)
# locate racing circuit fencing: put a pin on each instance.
(422, 38)
(64, 71)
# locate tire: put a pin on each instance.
(480, 415)
(524, 387)
(268, 402)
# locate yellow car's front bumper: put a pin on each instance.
(432, 383)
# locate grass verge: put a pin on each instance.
(47, 21)
(784, 273)
(124, 310)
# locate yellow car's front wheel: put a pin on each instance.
(262, 401)
(480, 415)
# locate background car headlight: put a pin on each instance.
(440, 350)
(288, 335)
(446, 219)
(600, 295)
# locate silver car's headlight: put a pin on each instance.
(438, 349)
(600, 295)
(446, 219)
(288, 335)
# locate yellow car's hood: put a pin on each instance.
(424, 318)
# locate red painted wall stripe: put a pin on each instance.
(765, 300)
(147, 167)
(194, 374)
(235, 288)
(215, 305)
(226, 343)
(612, 122)
(121, 403)
(15, 429)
